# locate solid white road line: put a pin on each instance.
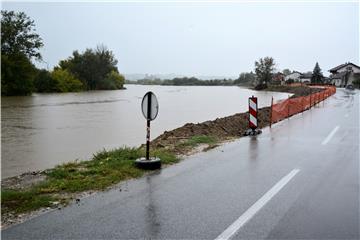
(246, 216)
(331, 134)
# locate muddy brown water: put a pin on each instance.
(43, 130)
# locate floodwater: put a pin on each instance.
(43, 130)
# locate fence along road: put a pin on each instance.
(281, 184)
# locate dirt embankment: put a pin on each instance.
(221, 128)
(225, 128)
(298, 91)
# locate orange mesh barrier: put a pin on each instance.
(288, 107)
(306, 102)
(295, 106)
(280, 110)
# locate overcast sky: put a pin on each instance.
(200, 38)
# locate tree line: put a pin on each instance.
(184, 81)
(92, 69)
(244, 79)
(262, 76)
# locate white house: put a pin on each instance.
(344, 74)
(295, 75)
(306, 77)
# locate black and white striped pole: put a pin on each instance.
(150, 109)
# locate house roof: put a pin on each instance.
(293, 73)
(279, 74)
(342, 65)
(306, 75)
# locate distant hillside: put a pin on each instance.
(192, 81)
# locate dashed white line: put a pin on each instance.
(331, 134)
(246, 216)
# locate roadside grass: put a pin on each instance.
(103, 170)
(106, 168)
(197, 140)
(24, 201)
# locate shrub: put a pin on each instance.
(66, 82)
(113, 81)
(116, 78)
(261, 86)
(289, 81)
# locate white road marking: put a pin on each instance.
(246, 216)
(346, 115)
(331, 134)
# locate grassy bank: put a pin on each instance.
(105, 169)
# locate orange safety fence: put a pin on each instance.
(291, 106)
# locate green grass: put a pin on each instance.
(103, 170)
(199, 139)
(24, 201)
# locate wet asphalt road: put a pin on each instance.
(203, 195)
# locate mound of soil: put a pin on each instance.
(221, 128)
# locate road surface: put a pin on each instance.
(298, 180)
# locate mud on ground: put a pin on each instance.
(221, 129)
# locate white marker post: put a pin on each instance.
(150, 109)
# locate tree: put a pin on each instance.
(91, 67)
(18, 35)
(17, 74)
(246, 78)
(317, 76)
(264, 69)
(286, 71)
(19, 43)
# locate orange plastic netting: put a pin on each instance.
(288, 107)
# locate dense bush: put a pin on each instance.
(246, 78)
(66, 82)
(112, 81)
(43, 82)
(261, 86)
(92, 68)
(289, 81)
